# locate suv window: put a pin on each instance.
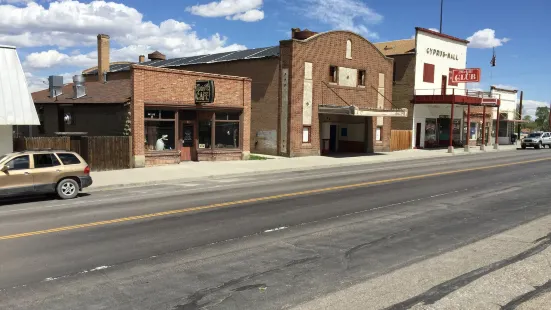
(68, 159)
(19, 163)
(45, 160)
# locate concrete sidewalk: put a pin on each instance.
(193, 170)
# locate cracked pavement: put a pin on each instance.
(477, 239)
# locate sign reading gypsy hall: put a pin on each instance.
(204, 91)
(443, 54)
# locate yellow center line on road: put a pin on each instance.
(259, 199)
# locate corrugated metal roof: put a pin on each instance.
(16, 104)
(255, 53)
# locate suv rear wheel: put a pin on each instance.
(67, 189)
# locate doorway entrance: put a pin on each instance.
(444, 84)
(187, 137)
(333, 138)
(418, 135)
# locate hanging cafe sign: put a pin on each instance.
(204, 91)
(443, 54)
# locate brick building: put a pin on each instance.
(438, 108)
(326, 92)
(172, 115)
(165, 104)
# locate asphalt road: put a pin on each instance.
(259, 242)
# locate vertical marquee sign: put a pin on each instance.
(204, 91)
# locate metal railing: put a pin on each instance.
(456, 92)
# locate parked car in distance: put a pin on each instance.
(537, 140)
(42, 172)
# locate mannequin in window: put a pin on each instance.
(160, 145)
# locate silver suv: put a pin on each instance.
(537, 140)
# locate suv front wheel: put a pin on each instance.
(67, 189)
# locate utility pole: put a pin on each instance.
(441, 11)
(519, 114)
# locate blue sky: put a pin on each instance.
(58, 37)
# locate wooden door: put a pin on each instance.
(444, 84)
(188, 141)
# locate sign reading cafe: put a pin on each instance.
(443, 54)
(204, 91)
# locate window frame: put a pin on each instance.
(174, 120)
(53, 157)
(19, 156)
(213, 122)
(309, 137)
(333, 74)
(380, 129)
(361, 73)
(63, 163)
(426, 77)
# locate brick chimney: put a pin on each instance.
(156, 55)
(141, 59)
(103, 56)
(298, 34)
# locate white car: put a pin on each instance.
(537, 140)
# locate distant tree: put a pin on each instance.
(527, 118)
(542, 118)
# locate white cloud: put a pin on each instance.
(69, 23)
(37, 83)
(486, 38)
(244, 10)
(352, 15)
(72, 23)
(51, 58)
(249, 16)
(503, 86)
(432, 29)
(529, 107)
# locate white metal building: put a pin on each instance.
(16, 104)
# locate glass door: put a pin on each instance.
(188, 142)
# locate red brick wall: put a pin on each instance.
(175, 88)
(322, 51)
(264, 97)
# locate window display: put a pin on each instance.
(159, 130)
(205, 132)
(226, 135)
(159, 136)
(430, 132)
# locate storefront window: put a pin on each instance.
(159, 136)
(205, 131)
(159, 130)
(430, 132)
(227, 116)
(226, 135)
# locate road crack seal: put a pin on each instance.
(194, 299)
(348, 254)
(442, 290)
(536, 292)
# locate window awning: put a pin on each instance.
(355, 111)
(16, 104)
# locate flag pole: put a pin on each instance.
(441, 11)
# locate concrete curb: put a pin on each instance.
(265, 172)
